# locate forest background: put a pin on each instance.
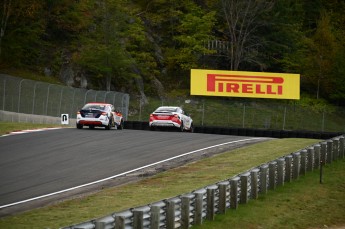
(147, 47)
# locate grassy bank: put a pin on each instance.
(292, 200)
(7, 127)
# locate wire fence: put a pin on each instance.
(40, 98)
(247, 113)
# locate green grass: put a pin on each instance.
(197, 175)
(7, 127)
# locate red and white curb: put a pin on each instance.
(29, 131)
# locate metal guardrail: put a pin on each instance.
(193, 208)
(39, 98)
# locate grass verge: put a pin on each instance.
(7, 127)
(293, 200)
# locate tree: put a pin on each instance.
(242, 21)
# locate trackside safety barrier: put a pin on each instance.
(193, 208)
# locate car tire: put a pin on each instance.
(191, 129)
(152, 128)
(121, 126)
(91, 127)
(79, 126)
(108, 127)
(181, 127)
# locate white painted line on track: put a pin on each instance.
(122, 174)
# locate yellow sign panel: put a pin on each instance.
(245, 84)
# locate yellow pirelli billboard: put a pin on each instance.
(245, 84)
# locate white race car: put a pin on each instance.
(100, 115)
(169, 116)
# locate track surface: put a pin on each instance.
(40, 163)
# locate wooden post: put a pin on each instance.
(199, 199)
(244, 188)
(272, 175)
(288, 168)
(335, 149)
(323, 153)
(304, 158)
(342, 147)
(120, 222)
(263, 179)
(210, 211)
(310, 161)
(185, 211)
(222, 187)
(170, 214)
(296, 165)
(254, 194)
(329, 151)
(155, 217)
(280, 171)
(138, 219)
(317, 156)
(234, 192)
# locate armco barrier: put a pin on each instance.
(192, 208)
(138, 125)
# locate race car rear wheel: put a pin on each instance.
(121, 126)
(181, 127)
(79, 126)
(108, 127)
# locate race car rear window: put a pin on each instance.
(94, 106)
(166, 109)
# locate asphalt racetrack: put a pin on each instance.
(40, 163)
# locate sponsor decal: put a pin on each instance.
(245, 84)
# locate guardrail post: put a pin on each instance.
(310, 161)
(323, 153)
(185, 211)
(280, 171)
(288, 168)
(120, 222)
(138, 219)
(296, 165)
(170, 214)
(272, 175)
(342, 147)
(329, 151)
(303, 170)
(317, 156)
(210, 212)
(335, 149)
(234, 192)
(263, 179)
(103, 222)
(222, 196)
(254, 191)
(155, 217)
(244, 188)
(199, 200)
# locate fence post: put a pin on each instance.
(222, 196)
(303, 170)
(185, 211)
(263, 178)
(120, 222)
(170, 214)
(296, 165)
(234, 192)
(288, 168)
(342, 146)
(244, 188)
(310, 156)
(138, 219)
(317, 156)
(155, 217)
(335, 149)
(272, 175)
(329, 151)
(254, 184)
(210, 212)
(280, 171)
(199, 199)
(323, 153)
